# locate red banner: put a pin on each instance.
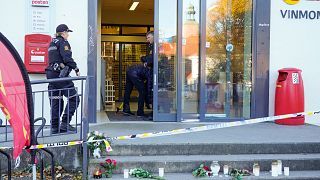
(13, 97)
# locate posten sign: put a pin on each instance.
(43, 3)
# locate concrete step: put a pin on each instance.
(294, 175)
(184, 164)
(214, 149)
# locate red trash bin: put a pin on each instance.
(289, 97)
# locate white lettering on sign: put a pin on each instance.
(33, 52)
(40, 3)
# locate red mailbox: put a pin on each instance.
(36, 52)
(289, 97)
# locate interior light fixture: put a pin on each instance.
(134, 5)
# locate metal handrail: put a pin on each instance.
(58, 80)
(40, 129)
(9, 163)
(44, 149)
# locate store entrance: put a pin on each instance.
(123, 42)
(117, 57)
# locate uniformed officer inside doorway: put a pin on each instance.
(60, 65)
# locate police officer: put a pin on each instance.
(135, 77)
(148, 62)
(60, 56)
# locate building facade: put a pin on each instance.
(215, 60)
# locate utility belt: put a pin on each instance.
(63, 71)
(54, 67)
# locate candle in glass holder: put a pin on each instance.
(274, 168)
(125, 173)
(256, 169)
(279, 167)
(215, 167)
(161, 172)
(286, 171)
(225, 169)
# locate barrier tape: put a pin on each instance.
(214, 126)
(170, 132)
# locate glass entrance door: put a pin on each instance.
(228, 59)
(165, 61)
(202, 67)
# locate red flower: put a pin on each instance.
(114, 162)
(206, 168)
(108, 161)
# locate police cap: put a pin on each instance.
(63, 28)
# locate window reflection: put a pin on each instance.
(228, 74)
(167, 56)
(190, 56)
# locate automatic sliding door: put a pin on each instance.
(190, 59)
(165, 73)
(228, 59)
(224, 71)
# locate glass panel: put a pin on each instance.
(167, 66)
(131, 54)
(134, 30)
(190, 56)
(110, 53)
(228, 73)
(110, 30)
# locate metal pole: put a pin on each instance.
(90, 105)
(228, 61)
(203, 20)
(85, 132)
(92, 59)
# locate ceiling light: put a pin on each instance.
(134, 5)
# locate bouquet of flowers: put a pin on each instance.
(97, 146)
(141, 173)
(109, 166)
(238, 174)
(202, 171)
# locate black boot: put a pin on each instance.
(54, 130)
(66, 127)
(126, 110)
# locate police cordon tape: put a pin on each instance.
(171, 132)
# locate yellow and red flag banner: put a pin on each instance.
(13, 95)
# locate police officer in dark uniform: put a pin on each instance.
(148, 62)
(60, 65)
(135, 77)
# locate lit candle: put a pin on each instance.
(161, 172)
(125, 173)
(279, 167)
(274, 168)
(256, 169)
(225, 169)
(286, 171)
